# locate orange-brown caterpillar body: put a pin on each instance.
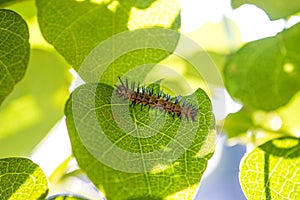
(145, 96)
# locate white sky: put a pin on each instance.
(252, 21)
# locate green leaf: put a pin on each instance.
(20, 178)
(14, 51)
(36, 104)
(7, 2)
(238, 123)
(28, 11)
(290, 116)
(271, 171)
(137, 53)
(220, 37)
(275, 9)
(75, 28)
(134, 154)
(265, 74)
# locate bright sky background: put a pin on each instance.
(252, 21)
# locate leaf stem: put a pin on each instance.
(60, 171)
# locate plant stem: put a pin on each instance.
(60, 171)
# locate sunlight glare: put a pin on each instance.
(160, 168)
(195, 13)
(288, 67)
(275, 123)
(97, 1)
(113, 6)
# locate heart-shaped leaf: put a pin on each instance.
(131, 153)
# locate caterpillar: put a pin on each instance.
(146, 96)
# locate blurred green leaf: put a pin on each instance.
(14, 51)
(221, 37)
(210, 64)
(27, 9)
(75, 28)
(159, 157)
(8, 2)
(275, 9)
(265, 74)
(20, 178)
(290, 116)
(238, 123)
(219, 60)
(35, 105)
(271, 171)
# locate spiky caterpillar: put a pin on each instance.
(146, 96)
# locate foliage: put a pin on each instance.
(148, 160)
(14, 50)
(133, 153)
(38, 106)
(264, 76)
(62, 22)
(275, 173)
(263, 69)
(20, 178)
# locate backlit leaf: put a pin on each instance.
(134, 154)
(20, 178)
(74, 28)
(271, 171)
(265, 74)
(14, 51)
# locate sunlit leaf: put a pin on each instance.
(14, 51)
(290, 115)
(20, 178)
(137, 53)
(35, 105)
(134, 154)
(264, 74)
(271, 171)
(74, 28)
(275, 9)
